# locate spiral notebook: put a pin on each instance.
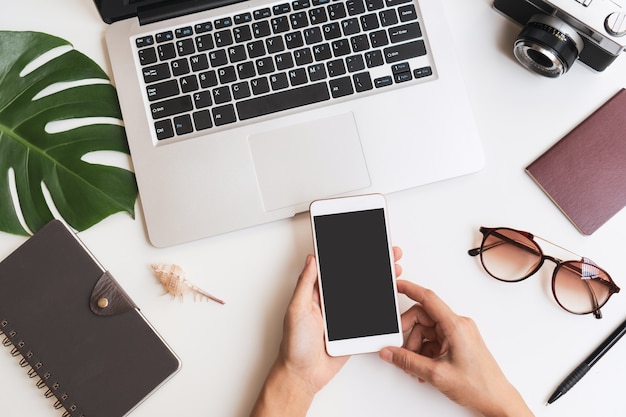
(77, 330)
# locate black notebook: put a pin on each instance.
(76, 329)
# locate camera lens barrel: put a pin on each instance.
(548, 46)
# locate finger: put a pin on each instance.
(432, 304)
(414, 315)
(418, 336)
(306, 281)
(398, 270)
(397, 253)
(409, 362)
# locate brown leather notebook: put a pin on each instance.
(584, 173)
(76, 329)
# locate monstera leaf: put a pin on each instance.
(38, 163)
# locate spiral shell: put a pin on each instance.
(174, 281)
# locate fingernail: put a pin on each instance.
(386, 355)
(308, 260)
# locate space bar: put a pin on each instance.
(283, 100)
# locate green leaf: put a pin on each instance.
(33, 157)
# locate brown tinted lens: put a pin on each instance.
(509, 255)
(581, 287)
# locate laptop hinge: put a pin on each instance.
(178, 8)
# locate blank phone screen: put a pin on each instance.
(356, 275)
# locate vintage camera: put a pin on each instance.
(557, 32)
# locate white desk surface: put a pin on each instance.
(226, 350)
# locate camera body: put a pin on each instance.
(557, 32)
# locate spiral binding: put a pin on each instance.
(36, 369)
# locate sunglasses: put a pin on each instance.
(580, 287)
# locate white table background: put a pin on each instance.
(226, 350)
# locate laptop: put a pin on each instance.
(240, 113)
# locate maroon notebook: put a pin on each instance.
(584, 173)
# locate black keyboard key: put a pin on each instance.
(374, 4)
(189, 83)
(392, 3)
(221, 95)
(359, 43)
(164, 129)
(303, 56)
(312, 35)
(260, 86)
(162, 90)
(236, 53)
(283, 61)
(261, 29)
(300, 4)
(203, 27)
(336, 11)
(317, 16)
(202, 120)
(156, 73)
(182, 124)
(275, 44)
(341, 87)
(283, 100)
(144, 41)
(208, 79)
(405, 32)
(242, 33)
(331, 31)
(407, 13)
(299, 20)
(374, 58)
(281, 8)
(336, 67)
(362, 82)
(355, 7)
(317, 72)
(379, 39)
(255, 49)
(279, 24)
(404, 51)
(180, 67)
(183, 32)
(243, 18)
(224, 115)
(388, 17)
(245, 70)
(171, 107)
(322, 52)
(350, 26)
(227, 74)
(218, 58)
(341, 47)
(147, 56)
(264, 65)
(279, 81)
(383, 81)
(422, 72)
(294, 40)
(223, 38)
(202, 99)
(297, 76)
(241, 90)
(164, 36)
(355, 63)
(185, 47)
(370, 22)
(223, 23)
(262, 13)
(199, 62)
(166, 51)
(204, 42)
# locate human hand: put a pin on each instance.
(303, 367)
(448, 351)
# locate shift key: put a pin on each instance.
(404, 51)
(171, 107)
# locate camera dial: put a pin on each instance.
(547, 46)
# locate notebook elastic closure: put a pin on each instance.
(108, 298)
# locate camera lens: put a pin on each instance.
(547, 46)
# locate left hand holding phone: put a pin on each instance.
(303, 367)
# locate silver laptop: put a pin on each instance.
(242, 113)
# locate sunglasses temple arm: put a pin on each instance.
(596, 308)
(504, 239)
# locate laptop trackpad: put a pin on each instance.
(300, 163)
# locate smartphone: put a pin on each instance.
(356, 274)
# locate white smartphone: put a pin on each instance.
(356, 274)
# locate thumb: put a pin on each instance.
(410, 362)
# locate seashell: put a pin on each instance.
(173, 279)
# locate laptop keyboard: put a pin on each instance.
(285, 56)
